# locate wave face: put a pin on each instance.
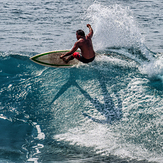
(109, 110)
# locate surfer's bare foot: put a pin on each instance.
(68, 59)
(62, 56)
(65, 60)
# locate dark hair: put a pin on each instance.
(80, 32)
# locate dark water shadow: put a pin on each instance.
(156, 83)
(108, 109)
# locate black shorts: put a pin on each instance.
(81, 58)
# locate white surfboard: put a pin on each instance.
(52, 59)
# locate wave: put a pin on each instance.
(116, 32)
(91, 101)
(103, 111)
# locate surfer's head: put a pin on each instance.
(80, 33)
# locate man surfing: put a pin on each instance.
(85, 45)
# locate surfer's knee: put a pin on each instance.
(76, 55)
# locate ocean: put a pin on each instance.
(107, 111)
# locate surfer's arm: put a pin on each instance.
(90, 31)
(71, 51)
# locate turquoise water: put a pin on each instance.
(109, 110)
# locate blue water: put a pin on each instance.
(110, 110)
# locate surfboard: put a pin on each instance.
(52, 59)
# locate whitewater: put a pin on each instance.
(110, 110)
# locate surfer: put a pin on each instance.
(85, 45)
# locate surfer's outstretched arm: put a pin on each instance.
(90, 31)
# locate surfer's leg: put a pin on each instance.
(68, 58)
(76, 55)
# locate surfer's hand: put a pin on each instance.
(88, 25)
(62, 56)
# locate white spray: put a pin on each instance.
(114, 26)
